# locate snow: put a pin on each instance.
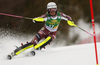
(86, 26)
(66, 55)
(83, 54)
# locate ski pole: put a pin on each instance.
(85, 31)
(15, 16)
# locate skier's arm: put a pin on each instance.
(68, 19)
(40, 18)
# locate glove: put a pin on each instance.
(39, 19)
(71, 23)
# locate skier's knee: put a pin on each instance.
(53, 37)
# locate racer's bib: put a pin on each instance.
(52, 24)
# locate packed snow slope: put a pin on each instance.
(67, 55)
(53, 55)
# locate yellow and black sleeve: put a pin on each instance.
(44, 43)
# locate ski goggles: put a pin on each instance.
(53, 9)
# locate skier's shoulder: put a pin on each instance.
(66, 16)
(62, 14)
(43, 16)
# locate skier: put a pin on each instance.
(52, 20)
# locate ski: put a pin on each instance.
(33, 53)
(20, 49)
(10, 56)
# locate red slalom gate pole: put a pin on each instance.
(93, 24)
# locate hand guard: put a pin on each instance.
(71, 23)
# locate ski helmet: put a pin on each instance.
(51, 5)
